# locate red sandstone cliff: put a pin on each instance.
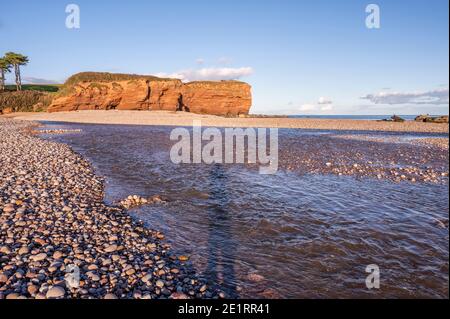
(218, 98)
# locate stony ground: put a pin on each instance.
(367, 156)
(185, 119)
(440, 142)
(52, 217)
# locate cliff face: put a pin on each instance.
(218, 98)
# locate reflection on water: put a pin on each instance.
(221, 245)
(289, 235)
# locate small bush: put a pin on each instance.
(25, 101)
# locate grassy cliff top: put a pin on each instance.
(231, 82)
(108, 77)
(103, 77)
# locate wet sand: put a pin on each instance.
(165, 118)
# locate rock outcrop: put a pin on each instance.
(218, 98)
(226, 98)
(430, 119)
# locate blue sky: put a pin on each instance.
(301, 57)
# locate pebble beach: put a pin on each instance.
(166, 118)
(53, 219)
(54, 216)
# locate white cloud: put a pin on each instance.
(327, 108)
(433, 97)
(212, 74)
(200, 61)
(307, 108)
(322, 105)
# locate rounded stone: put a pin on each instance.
(130, 272)
(57, 255)
(55, 292)
(111, 248)
(3, 278)
(146, 279)
(23, 250)
(178, 295)
(8, 209)
(5, 250)
(32, 290)
(39, 257)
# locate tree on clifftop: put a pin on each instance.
(16, 60)
(5, 67)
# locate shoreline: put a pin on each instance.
(164, 118)
(197, 217)
(53, 217)
(93, 228)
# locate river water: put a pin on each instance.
(301, 233)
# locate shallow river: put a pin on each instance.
(301, 233)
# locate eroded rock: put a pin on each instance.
(227, 98)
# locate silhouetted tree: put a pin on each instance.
(17, 60)
(5, 67)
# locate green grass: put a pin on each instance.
(108, 77)
(36, 87)
(230, 82)
(68, 86)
